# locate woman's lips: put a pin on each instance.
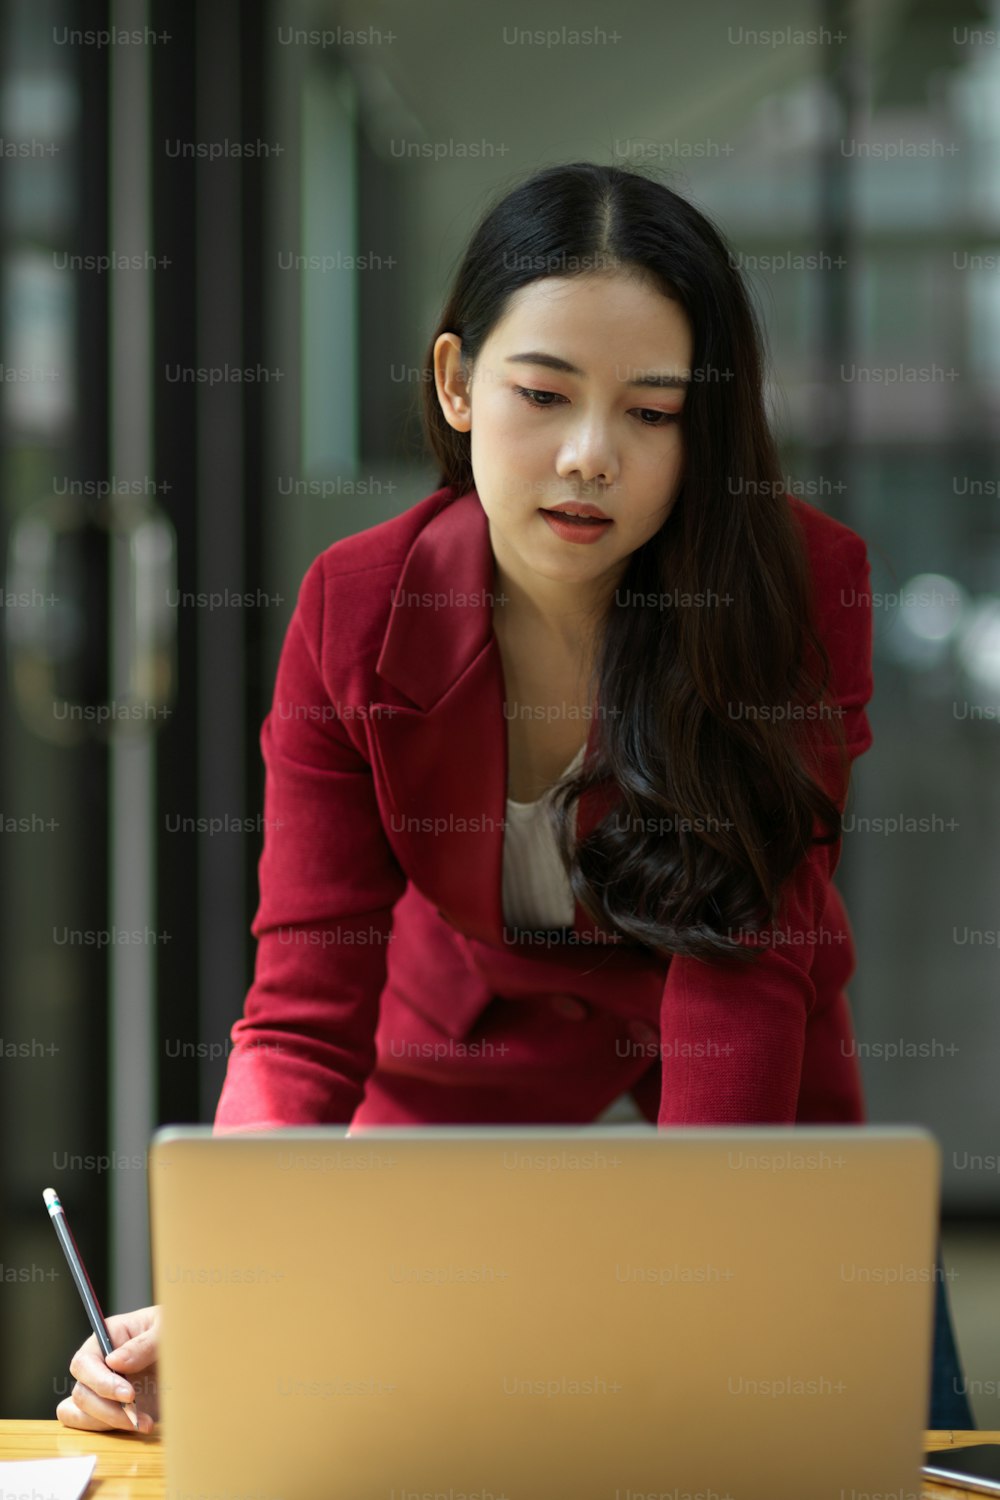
(571, 529)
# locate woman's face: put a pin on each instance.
(604, 431)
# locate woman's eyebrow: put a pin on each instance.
(553, 362)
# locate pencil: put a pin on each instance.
(78, 1271)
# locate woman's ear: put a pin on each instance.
(451, 383)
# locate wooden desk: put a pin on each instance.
(130, 1465)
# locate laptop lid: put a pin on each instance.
(544, 1312)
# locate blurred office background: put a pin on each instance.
(851, 154)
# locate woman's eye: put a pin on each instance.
(530, 396)
(542, 400)
(664, 417)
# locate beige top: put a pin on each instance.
(536, 891)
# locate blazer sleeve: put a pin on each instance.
(328, 881)
(732, 1035)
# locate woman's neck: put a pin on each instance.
(557, 619)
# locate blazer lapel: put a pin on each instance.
(443, 761)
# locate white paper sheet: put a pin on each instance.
(55, 1478)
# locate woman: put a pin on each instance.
(552, 804)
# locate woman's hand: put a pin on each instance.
(93, 1403)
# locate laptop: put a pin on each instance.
(544, 1313)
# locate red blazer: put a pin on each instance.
(384, 990)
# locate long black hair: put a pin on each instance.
(715, 806)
